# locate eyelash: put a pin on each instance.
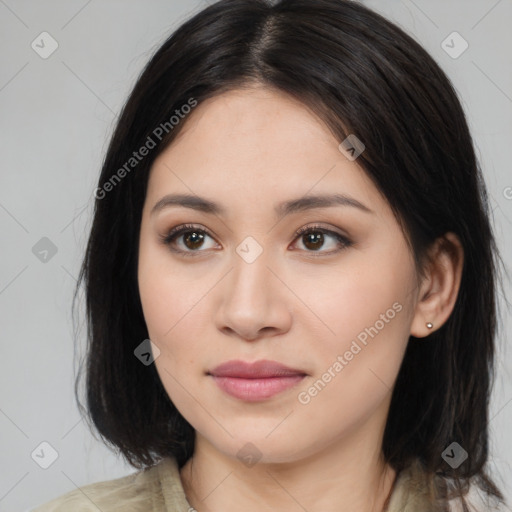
(174, 233)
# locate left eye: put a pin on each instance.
(313, 238)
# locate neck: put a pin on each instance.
(349, 475)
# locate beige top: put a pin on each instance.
(159, 489)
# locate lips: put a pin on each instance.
(258, 370)
(255, 381)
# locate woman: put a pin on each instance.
(291, 274)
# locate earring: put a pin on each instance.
(430, 325)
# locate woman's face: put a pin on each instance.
(241, 285)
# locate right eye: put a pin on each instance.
(192, 239)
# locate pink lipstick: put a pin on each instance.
(256, 381)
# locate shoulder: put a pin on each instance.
(138, 492)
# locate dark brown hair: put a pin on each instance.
(364, 76)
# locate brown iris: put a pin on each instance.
(196, 239)
(315, 239)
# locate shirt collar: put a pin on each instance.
(408, 494)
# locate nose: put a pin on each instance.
(255, 303)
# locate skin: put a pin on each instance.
(248, 150)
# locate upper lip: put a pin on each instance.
(258, 369)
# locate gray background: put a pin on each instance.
(56, 117)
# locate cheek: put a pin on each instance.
(174, 328)
(167, 297)
(159, 303)
(175, 317)
(367, 310)
(364, 295)
(175, 322)
(355, 369)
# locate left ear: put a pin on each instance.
(439, 289)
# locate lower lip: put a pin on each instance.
(253, 390)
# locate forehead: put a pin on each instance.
(253, 121)
(256, 143)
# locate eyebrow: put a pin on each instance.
(282, 209)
